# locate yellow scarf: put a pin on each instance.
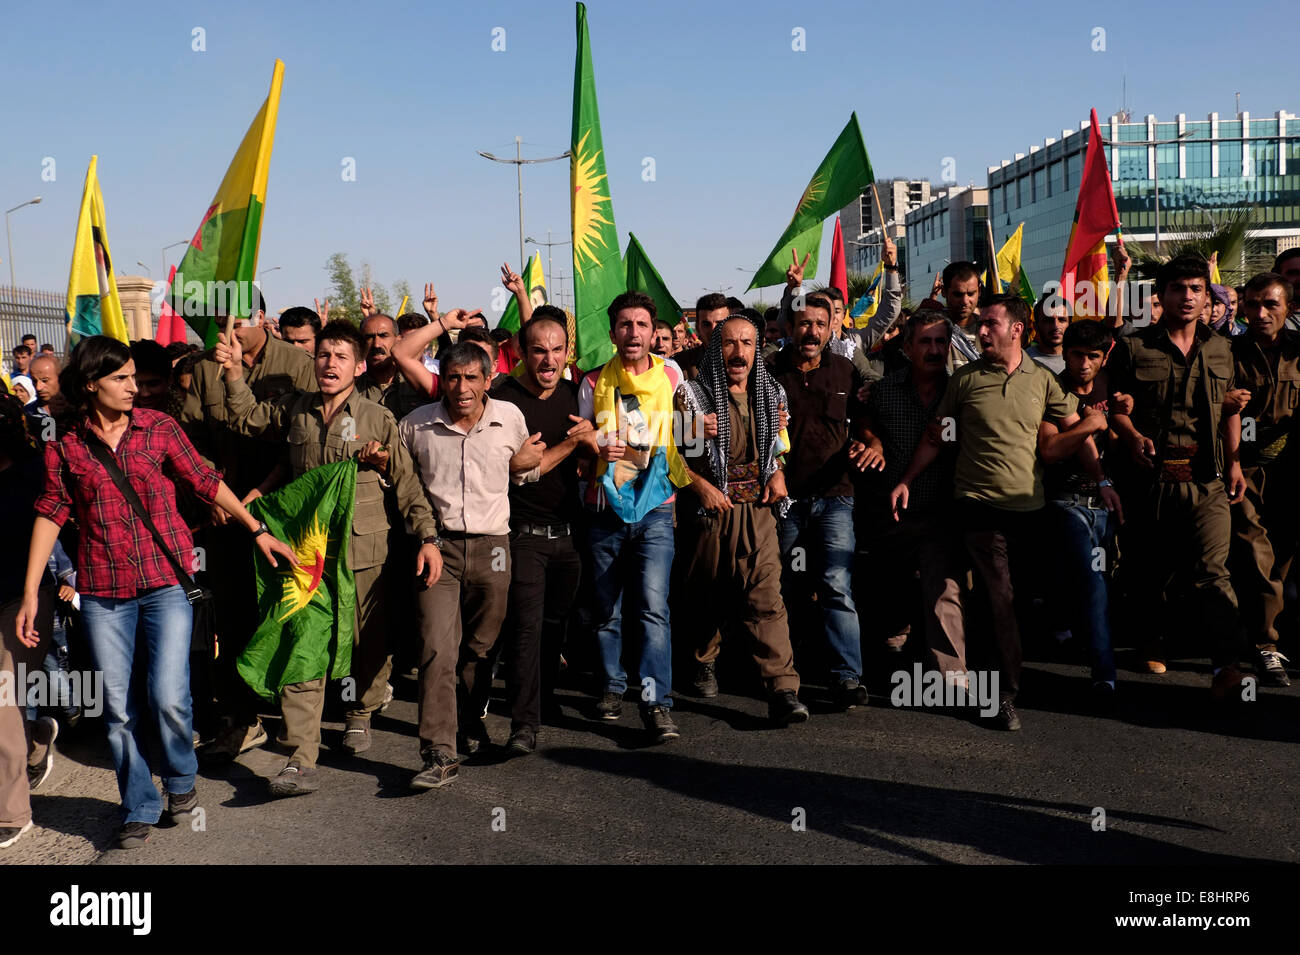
(655, 395)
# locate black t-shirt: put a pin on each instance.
(1069, 476)
(554, 498)
(822, 403)
(20, 486)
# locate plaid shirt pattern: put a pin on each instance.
(117, 556)
(899, 420)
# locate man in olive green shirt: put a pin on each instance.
(322, 427)
(992, 409)
(383, 382)
(272, 368)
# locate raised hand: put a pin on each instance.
(322, 309)
(889, 254)
(512, 280)
(794, 274)
(229, 355)
(367, 302)
(430, 302)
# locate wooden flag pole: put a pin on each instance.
(880, 213)
(993, 259)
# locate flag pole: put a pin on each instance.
(993, 259)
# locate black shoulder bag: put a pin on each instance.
(204, 630)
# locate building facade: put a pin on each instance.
(1191, 172)
(862, 226)
(951, 227)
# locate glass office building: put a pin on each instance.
(949, 228)
(1190, 171)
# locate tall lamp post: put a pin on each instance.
(172, 246)
(548, 243)
(9, 238)
(1156, 143)
(518, 163)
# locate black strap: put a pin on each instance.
(105, 457)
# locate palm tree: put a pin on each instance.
(1241, 254)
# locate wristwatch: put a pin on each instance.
(261, 529)
(1105, 482)
(435, 540)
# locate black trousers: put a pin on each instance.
(545, 574)
(992, 536)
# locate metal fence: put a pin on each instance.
(25, 311)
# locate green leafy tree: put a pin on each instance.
(343, 298)
(1230, 233)
(402, 289)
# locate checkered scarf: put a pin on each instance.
(707, 394)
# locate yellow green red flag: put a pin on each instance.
(93, 304)
(215, 277)
(534, 279)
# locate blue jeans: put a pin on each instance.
(1087, 535)
(155, 628)
(634, 560)
(825, 525)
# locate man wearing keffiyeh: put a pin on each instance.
(732, 555)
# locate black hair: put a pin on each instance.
(466, 353)
(341, 330)
(15, 440)
(22, 350)
(1266, 280)
(710, 302)
(1040, 307)
(1186, 266)
(773, 314)
(1284, 257)
(410, 321)
(1017, 308)
(500, 335)
(549, 314)
(818, 300)
(95, 357)
(300, 316)
(475, 334)
(833, 293)
(632, 300)
(925, 318)
(151, 359)
(733, 304)
(960, 272)
(178, 350)
(1088, 335)
(667, 325)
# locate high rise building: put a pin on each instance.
(862, 226)
(951, 227)
(1191, 172)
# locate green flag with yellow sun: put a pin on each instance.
(307, 612)
(839, 180)
(598, 276)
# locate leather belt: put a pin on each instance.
(549, 531)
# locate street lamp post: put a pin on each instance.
(172, 246)
(1156, 144)
(274, 268)
(146, 268)
(518, 163)
(548, 243)
(9, 238)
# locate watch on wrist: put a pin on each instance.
(435, 540)
(1105, 482)
(261, 529)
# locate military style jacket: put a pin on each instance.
(383, 502)
(1273, 377)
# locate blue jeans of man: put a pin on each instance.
(825, 526)
(634, 561)
(142, 646)
(1087, 534)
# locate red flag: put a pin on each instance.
(839, 274)
(1085, 279)
(171, 327)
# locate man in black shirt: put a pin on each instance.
(822, 389)
(545, 567)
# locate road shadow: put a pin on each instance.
(886, 816)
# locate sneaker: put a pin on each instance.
(293, 780)
(784, 708)
(356, 735)
(233, 739)
(439, 769)
(523, 741)
(38, 773)
(134, 835)
(182, 804)
(472, 738)
(705, 683)
(1270, 669)
(660, 724)
(388, 697)
(610, 707)
(1007, 718)
(848, 694)
(1155, 665)
(1226, 685)
(11, 834)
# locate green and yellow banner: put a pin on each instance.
(94, 307)
(216, 274)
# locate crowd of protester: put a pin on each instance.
(929, 484)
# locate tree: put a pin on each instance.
(402, 289)
(343, 289)
(1230, 233)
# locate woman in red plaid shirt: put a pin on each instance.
(130, 593)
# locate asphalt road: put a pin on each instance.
(1180, 784)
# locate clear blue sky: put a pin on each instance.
(735, 120)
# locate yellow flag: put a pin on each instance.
(94, 307)
(1008, 258)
